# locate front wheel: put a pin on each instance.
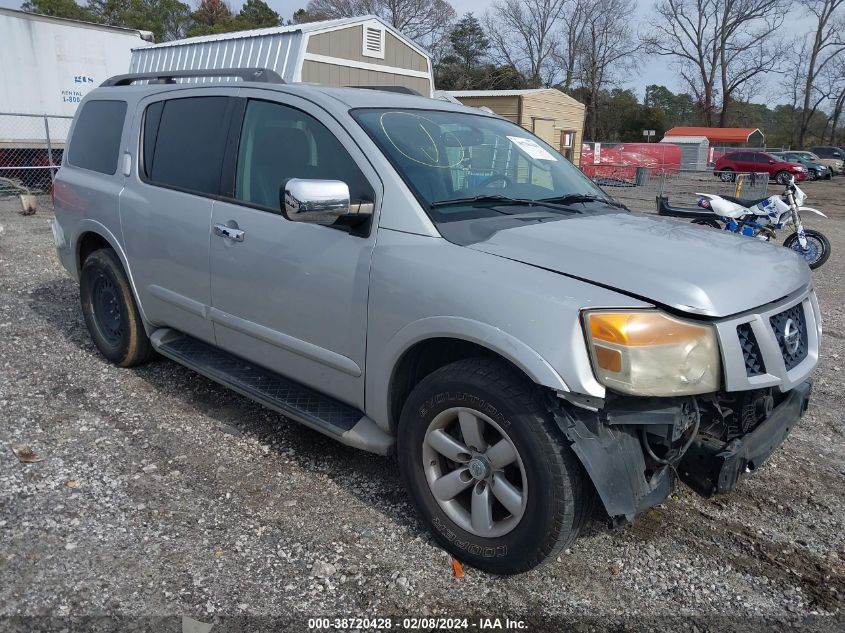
(813, 174)
(487, 468)
(727, 175)
(782, 177)
(818, 247)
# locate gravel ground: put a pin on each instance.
(160, 493)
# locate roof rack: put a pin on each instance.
(402, 90)
(260, 75)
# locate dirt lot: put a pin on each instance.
(161, 493)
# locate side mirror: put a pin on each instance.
(771, 162)
(314, 201)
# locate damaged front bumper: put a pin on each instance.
(710, 467)
(609, 445)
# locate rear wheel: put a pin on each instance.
(111, 315)
(487, 468)
(713, 224)
(818, 247)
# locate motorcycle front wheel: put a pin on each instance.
(818, 247)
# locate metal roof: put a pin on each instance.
(684, 139)
(717, 134)
(496, 93)
(307, 27)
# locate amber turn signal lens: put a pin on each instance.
(641, 328)
(609, 359)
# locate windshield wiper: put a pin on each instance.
(500, 199)
(583, 197)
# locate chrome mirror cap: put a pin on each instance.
(314, 201)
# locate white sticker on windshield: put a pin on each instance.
(531, 147)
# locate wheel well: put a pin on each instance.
(88, 243)
(427, 357)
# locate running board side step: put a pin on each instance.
(317, 411)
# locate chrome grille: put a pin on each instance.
(790, 330)
(754, 365)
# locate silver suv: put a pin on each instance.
(410, 275)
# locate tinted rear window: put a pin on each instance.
(96, 136)
(186, 151)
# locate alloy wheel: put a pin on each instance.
(475, 472)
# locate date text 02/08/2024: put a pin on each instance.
(425, 623)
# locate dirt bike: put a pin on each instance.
(759, 219)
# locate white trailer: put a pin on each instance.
(47, 65)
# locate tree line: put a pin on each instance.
(725, 53)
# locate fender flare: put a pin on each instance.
(92, 226)
(527, 359)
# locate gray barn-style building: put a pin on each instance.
(364, 51)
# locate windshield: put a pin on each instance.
(464, 166)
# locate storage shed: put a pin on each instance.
(551, 114)
(363, 51)
(744, 136)
(694, 150)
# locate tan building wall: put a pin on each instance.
(334, 75)
(547, 114)
(562, 110)
(346, 44)
(506, 107)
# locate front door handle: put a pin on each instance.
(236, 235)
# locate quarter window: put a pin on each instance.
(279, 142)
(184, 143)
(96, 136)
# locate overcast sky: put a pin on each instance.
(652, 71)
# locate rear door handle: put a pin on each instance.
(236, 235)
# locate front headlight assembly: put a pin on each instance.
(650, 353)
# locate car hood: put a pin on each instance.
(689, 268)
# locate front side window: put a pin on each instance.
(447, 157)
(184, 141)
(279, 142)
(96, 136)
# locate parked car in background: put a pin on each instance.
(831, 163)
(755, 162)
(831, 156)
(815, 170)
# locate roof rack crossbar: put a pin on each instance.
(260, 75)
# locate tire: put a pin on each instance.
(713, 224)
(819, 247)
(814, 175)
(555, 493)
(110, 312)
(782, 177)
(727, 175)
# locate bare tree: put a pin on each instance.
(747, 48)
(819, 50)
(570, 46)
(525, 35)
(607, 49)
(717, 45)
(426, 21)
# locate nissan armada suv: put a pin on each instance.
(414, 276)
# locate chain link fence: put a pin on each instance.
(31, 148)
(680, 187)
